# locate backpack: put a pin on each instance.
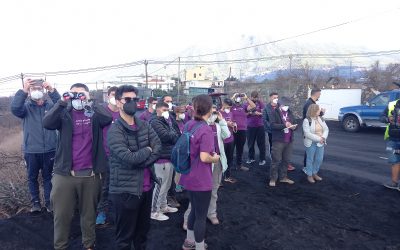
(180, 156)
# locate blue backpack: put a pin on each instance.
(180, 156)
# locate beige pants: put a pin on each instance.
(212, 208)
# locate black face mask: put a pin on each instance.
(130, 108)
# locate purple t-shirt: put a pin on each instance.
(115, 115)
(254, 121)
(200, 176)
(145, 116)
(146, 174)
(81, 141)
(228, 118)
(214, 129)
(285, 118)
(239, 116)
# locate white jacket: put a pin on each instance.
(309, 132)
(222, 133)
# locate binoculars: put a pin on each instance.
(74, 95)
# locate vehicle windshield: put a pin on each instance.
(380, 100)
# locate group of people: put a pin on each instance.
(95, 157)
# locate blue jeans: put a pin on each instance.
(315, 156)
(35, 163)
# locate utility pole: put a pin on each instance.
(145, 68)
(179, 77)
(290, 74)
(351, 71)
(22, 79)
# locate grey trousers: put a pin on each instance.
(212, 208)
(67, 192)
(164, 173)
(281, 154)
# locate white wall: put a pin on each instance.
(334, 99)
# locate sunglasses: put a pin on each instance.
(130, 99)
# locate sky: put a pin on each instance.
(53, 35)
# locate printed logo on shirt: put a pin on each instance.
(81, 122)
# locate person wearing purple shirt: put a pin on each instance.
(229, 144)
(282, 125)
(255, 129)
(103, 206)
(199, 181)
(239, 117)
(149, 112)
(168, 131)
(134, 148)
(80, 162)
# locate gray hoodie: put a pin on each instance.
(37, 139)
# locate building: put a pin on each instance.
(202, 78)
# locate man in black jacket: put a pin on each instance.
(39, 146)
(79, 163)
(168, 131)
(282, 124)
(134, 147)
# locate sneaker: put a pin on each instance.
(250, 161)
(179, 189)
(310, 179)
(243, 168)
(272, 183)
(287, 180)
(172, 202)
(230, 180)
(187, 245)
(214, 220)
(159, 216)
(392, 185)
(184, 226)
(317, 177)
(262, 163)
(36, 208)
(168, 209)
(49, 207)
(101, 218)
(290, 167)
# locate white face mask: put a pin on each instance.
(227, 111)
(238, 99)
(275, 101)
(112, 101)
(285, 108)
(78, 104)
(181, 116)
(36, 95)
(165, 115)
(153, 106)
(170, 106)
(212, 119)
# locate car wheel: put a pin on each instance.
(351, 124)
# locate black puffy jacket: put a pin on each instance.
(167, 133)
(130, 155)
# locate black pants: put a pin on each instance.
(200, 200)
(270, 143)
(132, 219)
(36, 163)
(229, 148)
(240, 140)
(253, 135)
(104, 203)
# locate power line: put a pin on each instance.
(168, 63)
(294, 36)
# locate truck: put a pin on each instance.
(353, 118)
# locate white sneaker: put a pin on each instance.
(262, 163)
(169, 209)
(287, 180)
(250, 161)
(159, 216)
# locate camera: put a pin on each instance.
(37, 82)
(241, 95)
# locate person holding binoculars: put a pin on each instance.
(80, 162)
